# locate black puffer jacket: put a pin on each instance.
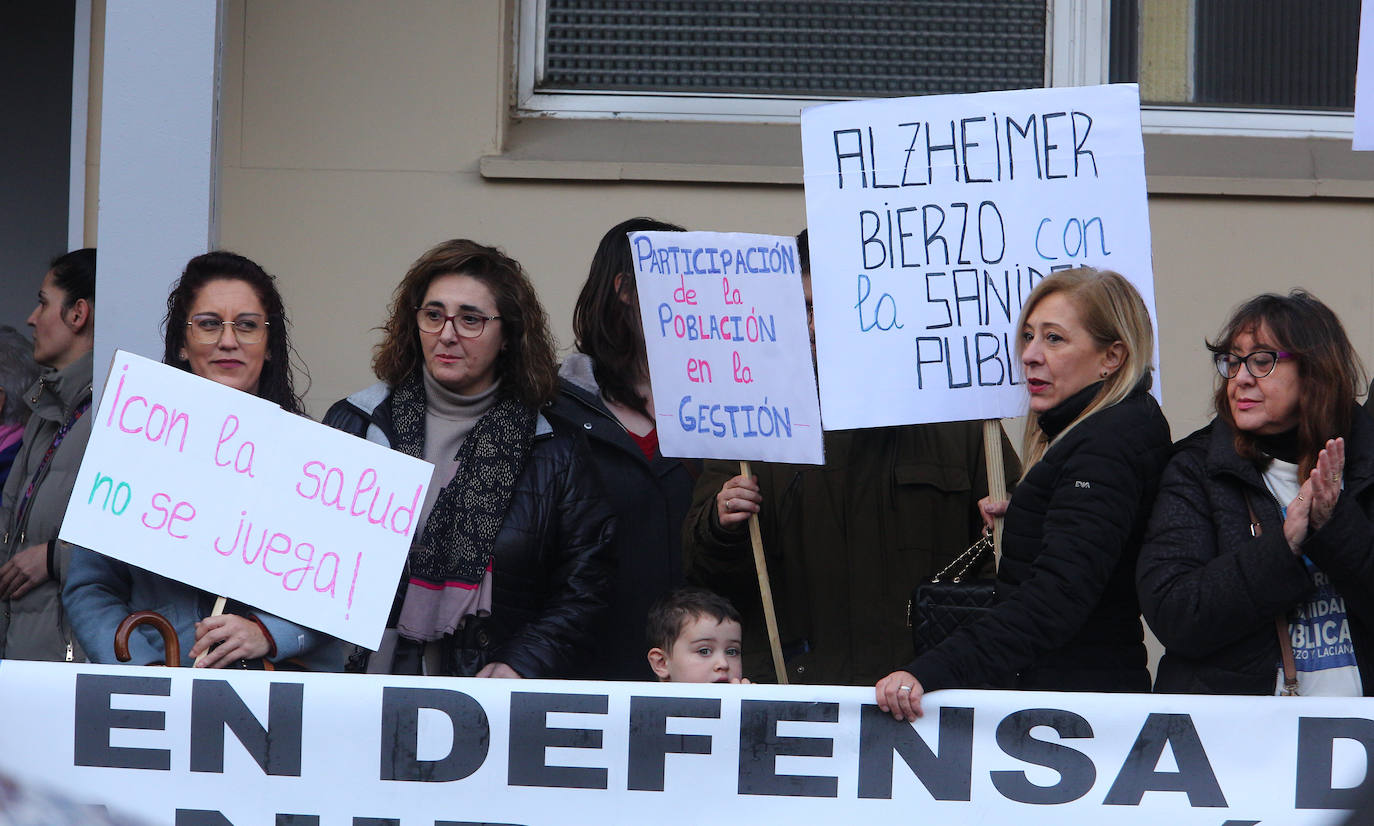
(552, 560)
(650, 498)
(1211, 591)
(1067, 617)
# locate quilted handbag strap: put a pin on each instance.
(966, 561)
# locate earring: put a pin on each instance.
(181, 354)
(1104, 374)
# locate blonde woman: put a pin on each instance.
(1066, 617)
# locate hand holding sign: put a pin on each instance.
(222, 639)
(739, 499)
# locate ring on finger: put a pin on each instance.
(903, 688)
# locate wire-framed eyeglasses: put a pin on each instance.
(1258, 364)
(431, 321)
(209, 328)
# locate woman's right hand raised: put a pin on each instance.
(1296, 518)
(990, 509)
(739, 498)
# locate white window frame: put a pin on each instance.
(81, 93)
(1076, 55)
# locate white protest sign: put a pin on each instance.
(729, 346)
(225, 491)
(1364, 81)
(932, 218)
(183, 746)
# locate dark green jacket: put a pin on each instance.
(845, 544)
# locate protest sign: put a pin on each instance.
(248, 748)
(932, 218)
(1364, 81)
(729, 347)
(225, 491)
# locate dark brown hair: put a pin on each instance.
(74, 274)
(526, 364)
(606, 327)
(275, 384)
(1329, 371)
(677, 608)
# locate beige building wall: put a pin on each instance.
(352, 135)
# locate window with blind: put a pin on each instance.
(850, 48)
(1278, 68)
(783, 49)
(1266, 54)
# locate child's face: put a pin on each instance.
(707, 650)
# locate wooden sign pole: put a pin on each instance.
(770, 616)
(219, 609)
(997, 478)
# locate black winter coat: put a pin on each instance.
(1066, 617)
(846, 542)
(650, 500)
(1211, 591)
(552, 560)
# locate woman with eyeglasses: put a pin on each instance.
(1258, 569)
(225, 322)
(509, 568)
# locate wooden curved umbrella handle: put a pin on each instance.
(170, 644)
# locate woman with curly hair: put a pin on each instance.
(510, 566)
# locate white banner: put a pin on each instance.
(225, 491)
(729, 347)
(1364, 81)
(932, 218)
(193, 747)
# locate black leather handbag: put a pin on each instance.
(951, 598)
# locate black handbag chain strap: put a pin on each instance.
(969, 559)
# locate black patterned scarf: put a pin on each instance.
(457, 540)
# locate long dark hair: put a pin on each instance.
(1329, 370)
(527, 366)
(275, 384)
(605, 326)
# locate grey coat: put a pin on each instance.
(33, 627)
(101, 591)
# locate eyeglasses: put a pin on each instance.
(1259, 363)
(207, 329)
(431, 321)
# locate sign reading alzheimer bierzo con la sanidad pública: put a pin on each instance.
(932, 219)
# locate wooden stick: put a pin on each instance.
(219, 609)
(997, 477)
(770, 616)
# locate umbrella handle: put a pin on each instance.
(170, 644)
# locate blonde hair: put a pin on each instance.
(1111, 311)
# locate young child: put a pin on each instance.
(696, 637)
